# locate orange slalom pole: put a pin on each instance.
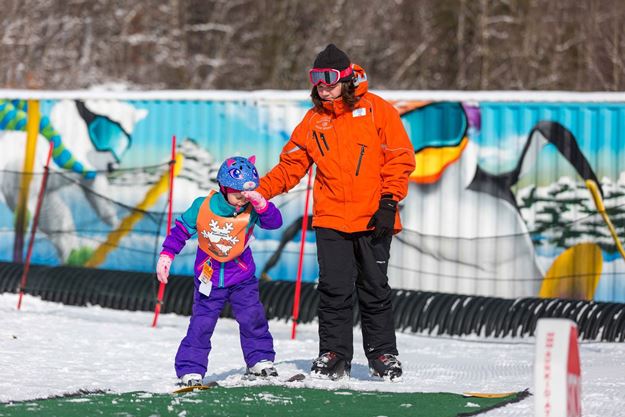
(161, 287)
(298, 281)
(33, 230)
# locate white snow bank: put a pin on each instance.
(49, 349)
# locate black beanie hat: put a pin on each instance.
(332, 57)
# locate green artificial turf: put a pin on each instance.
(275, 401)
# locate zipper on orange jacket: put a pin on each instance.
(323, 138)
(362, 153)
(318, 144)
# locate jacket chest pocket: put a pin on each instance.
(319, 146)
(321, 142)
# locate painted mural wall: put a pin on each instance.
(508, 198)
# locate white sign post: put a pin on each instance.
(557, 376)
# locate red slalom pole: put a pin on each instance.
(161, 287)
(33, 230)
(298, 281)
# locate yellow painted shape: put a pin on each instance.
(126, 225)
(430, 163)
(32, 132)
(574, 274)
(596, 196)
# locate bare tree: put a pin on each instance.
(255, 44)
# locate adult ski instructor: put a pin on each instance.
(363, 158)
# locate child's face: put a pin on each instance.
(237, 199)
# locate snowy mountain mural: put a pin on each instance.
(563, 214)
(199, 168)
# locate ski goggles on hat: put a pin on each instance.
(328, 76)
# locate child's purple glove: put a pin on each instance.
(162, 267)
(258, 201)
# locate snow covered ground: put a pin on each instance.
(49, 349)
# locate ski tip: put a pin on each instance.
(196, 388)
(296, 378)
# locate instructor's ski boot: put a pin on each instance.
(262, 369)
(330, 365)
(386, 366)
(191, 380)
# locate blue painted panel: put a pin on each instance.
(479, 229)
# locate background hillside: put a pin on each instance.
(257, 44)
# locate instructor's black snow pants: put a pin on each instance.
(347, 260)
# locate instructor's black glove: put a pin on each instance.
(384, 218)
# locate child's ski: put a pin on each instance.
(271, 380)
(296, 377)
(202, 387)
(292, 378)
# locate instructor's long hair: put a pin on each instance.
(348, 95)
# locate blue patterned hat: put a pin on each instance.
(238, 173)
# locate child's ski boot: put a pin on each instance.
(191, 380)
(262, 369)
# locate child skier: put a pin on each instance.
(224, 269)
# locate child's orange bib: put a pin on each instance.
(223, 238)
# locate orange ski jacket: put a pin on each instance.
(360, 155)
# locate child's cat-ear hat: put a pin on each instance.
(238, 173)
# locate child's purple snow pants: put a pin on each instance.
(256, 341)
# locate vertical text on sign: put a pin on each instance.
(547, 372)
